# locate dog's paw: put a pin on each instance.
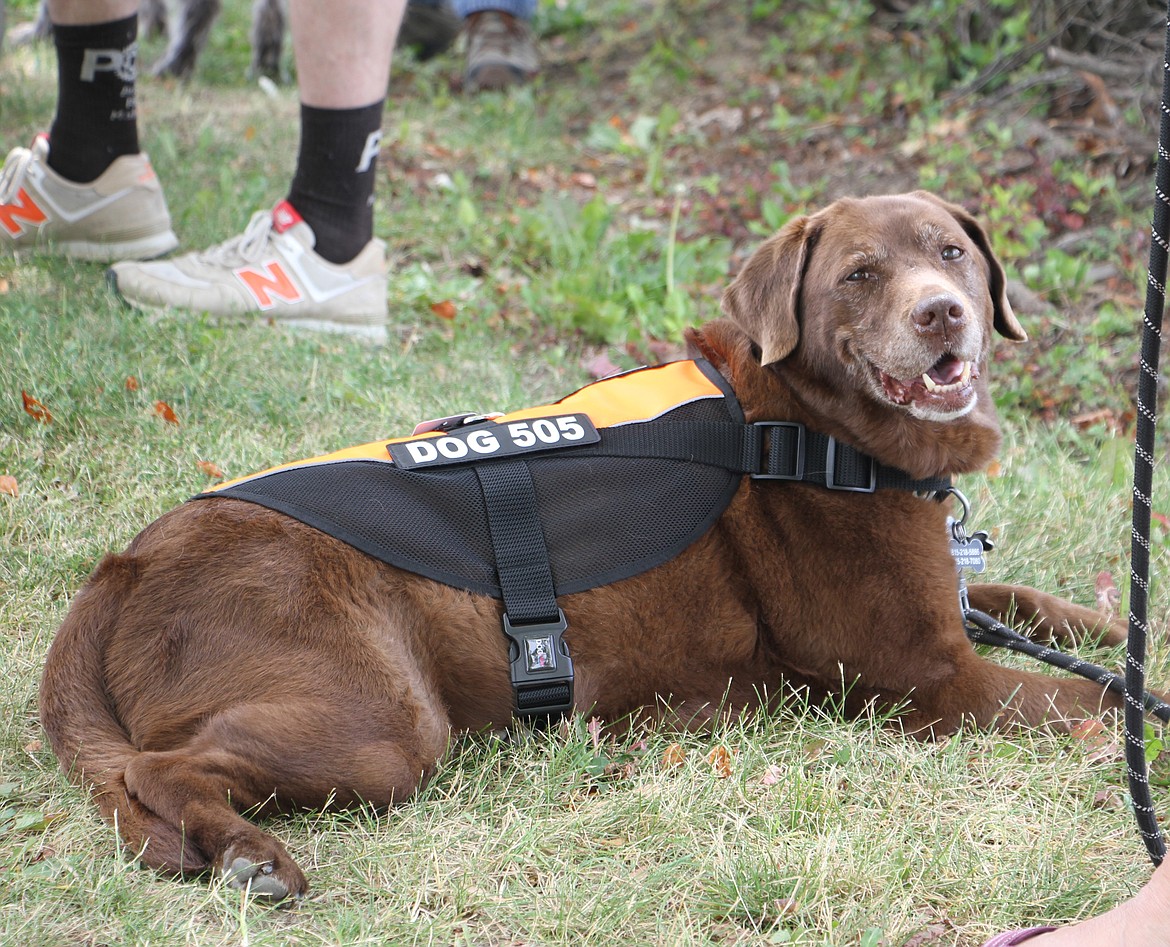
(264, 879)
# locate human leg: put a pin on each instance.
(86, 190)
(1142, 921)
(312, 262)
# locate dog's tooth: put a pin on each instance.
(931, 384)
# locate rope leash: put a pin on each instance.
(984, 629)
(1143, 475)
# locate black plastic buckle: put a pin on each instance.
(542, 671)
(831, 480)
(798, 464)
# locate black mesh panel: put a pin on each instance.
(604, 518)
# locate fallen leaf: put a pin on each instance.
(164, 411)
(594, 728)
(771, 775)
(444, 310)
(673, 756)
(1108, 597)
(931, 934)
(9, 486)
(3, 286)
(600, 366)
(785, 907)
(1107, 799)
(1087, 731)
(36, 410)
(1099, 743)
(207, 467)
(720, 759)
(994, 469)
(33, 747)
(131, 383)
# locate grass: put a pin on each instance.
(821, 830)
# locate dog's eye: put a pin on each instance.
(859, 275)
(952, 253)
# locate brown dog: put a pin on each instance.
(236, 659)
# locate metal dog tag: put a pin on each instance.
(968, 554)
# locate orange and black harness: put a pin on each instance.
(613, 480)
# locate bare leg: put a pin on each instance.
(82, 12)
(343, 50)
(1142, 921)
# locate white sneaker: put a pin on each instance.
(120, 214)
(271, 271)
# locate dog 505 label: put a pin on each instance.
(483, 442)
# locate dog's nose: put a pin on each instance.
(938, 313)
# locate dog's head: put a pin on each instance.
(886, 306)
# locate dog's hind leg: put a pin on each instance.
(1045, 617)
(260, 758)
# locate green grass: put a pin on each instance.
(583, 241)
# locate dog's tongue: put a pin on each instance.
(946, 371)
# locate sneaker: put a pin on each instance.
(120, 214)
(500, 52)
(270, 271)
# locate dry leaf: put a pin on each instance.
(3, 286)
(1108, 598)
(9, 486)
(207, 467)
(36, 410)
(673, 756)
(931, 934)
(1107, 799)
(131, 383)
(164, 411)
(444, 310)
(772, 775)
(600, 366)
(33, 747)
(1099, 743)
(720, 759)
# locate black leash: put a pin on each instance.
(1143, 475)
(983, 629)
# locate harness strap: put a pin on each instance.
(541, 670)
(766, 450)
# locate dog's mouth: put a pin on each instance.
(944, 391)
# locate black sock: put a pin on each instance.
(333, 188)
(97, 118)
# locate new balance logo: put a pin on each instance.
(268, 284)
(15, 217)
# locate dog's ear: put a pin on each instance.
(763, 299)
(1006, 323)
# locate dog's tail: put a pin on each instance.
(84, 731)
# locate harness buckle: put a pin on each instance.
(842, 480)
(542, 671)
(782, 448)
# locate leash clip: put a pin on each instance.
(542, 671)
